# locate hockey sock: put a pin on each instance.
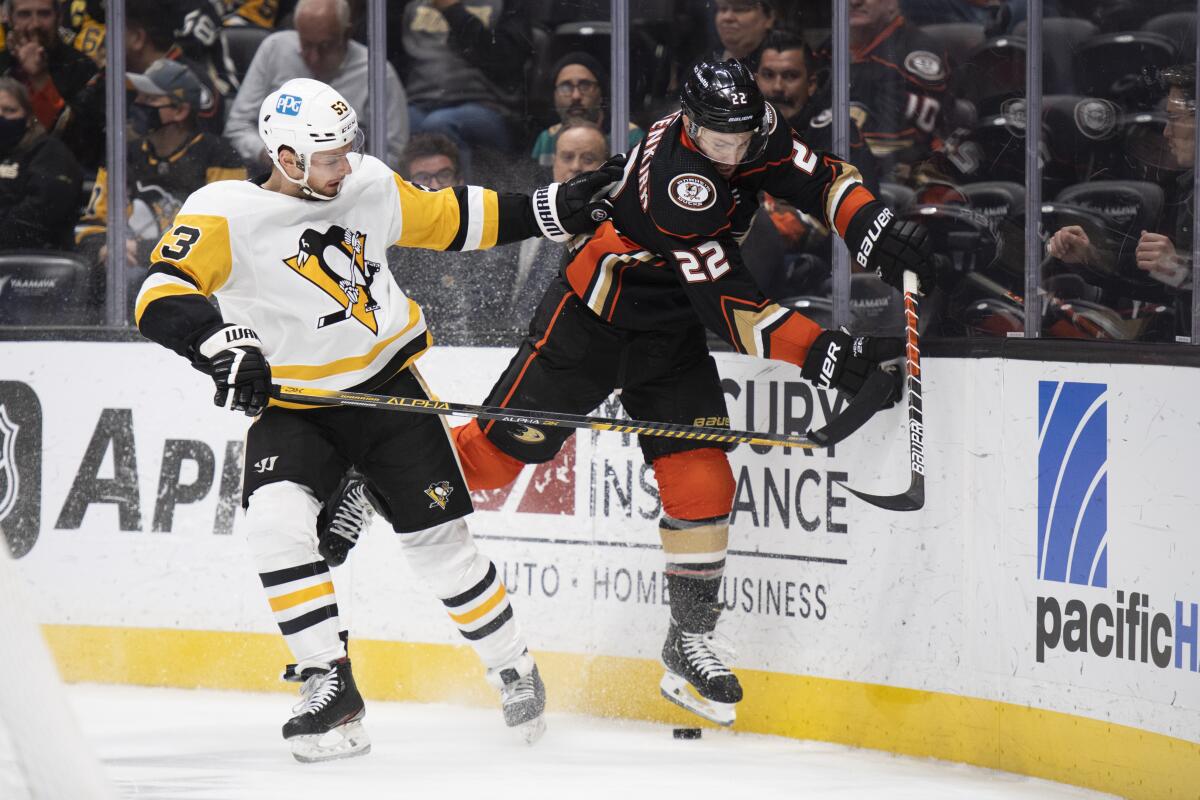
(483, 464)
(695, 553)
(470, 587)
(305, 607)
(484, 617)
(697, 494)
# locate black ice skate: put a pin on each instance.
(522, 697)
(328, 722)
(697, 678)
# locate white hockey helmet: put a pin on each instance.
(308, 117)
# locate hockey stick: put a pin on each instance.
(914, 497)
(875, 392)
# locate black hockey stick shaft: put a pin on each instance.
(912, 498)
(856, 413)
(330, 397)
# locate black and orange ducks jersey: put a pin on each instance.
(670, 255)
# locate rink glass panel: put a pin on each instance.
(1118, 144)
(1112, 164)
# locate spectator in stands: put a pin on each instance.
(579, 147)
(464, 66)
(898, 86)
(1166, 257)
(54, 72)
(742, 26)
(40, 183)
(580, 94)
(320, 47)
(431, 160)
(149, 36)
(168, 158)
(787, 78)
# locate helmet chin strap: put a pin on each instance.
(305, 189)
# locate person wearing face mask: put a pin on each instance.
(168, 159)
(40, 182)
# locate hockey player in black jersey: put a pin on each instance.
(629, 313)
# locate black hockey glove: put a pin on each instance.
(901, 246)
(232, 355)
(344, 519)
(840, 361)
(563, 210)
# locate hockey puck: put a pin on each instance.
(686, 733)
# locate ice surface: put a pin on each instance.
(174, 744)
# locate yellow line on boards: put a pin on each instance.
(1029, 741)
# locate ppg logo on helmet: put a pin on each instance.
(288, 105)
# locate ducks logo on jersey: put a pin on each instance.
(333, 262)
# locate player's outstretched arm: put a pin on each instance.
(475, 218)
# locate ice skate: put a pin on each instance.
(697, 678)
(522, 697)
(328, 723)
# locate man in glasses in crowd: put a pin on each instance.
(580, 86)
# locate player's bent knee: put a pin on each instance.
(281, 525)
(445, 557)
(483, 464)
(695, 484)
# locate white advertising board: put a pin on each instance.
(1056, 563)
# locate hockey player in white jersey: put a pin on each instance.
(297, 262)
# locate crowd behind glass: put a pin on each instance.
(509, 93)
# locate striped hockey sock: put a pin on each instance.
(304, 604)
(695, 555)
(484, 617)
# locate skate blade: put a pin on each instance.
(683, 694)
(348, 740)
(532, 730)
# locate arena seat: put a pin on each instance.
(1112, 66)
(1061, 37)
(993, 73)
(1179, 27)
(240, 43)
(43, 288)
(995, 200)
(897, 196)
(957, 39)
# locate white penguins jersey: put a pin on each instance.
(311, 277)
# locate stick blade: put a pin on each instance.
(911, 500)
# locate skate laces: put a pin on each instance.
(317, 692)
(519, 690)
(705, 651)
(352, 514)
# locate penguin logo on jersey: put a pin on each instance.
(334, 262)
(693, 192)
(439, 493)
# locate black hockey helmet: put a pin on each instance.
(722, 97)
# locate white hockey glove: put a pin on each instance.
(563, 210)
(233, 357)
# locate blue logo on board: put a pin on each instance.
(288, 105)
(1073, 483)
